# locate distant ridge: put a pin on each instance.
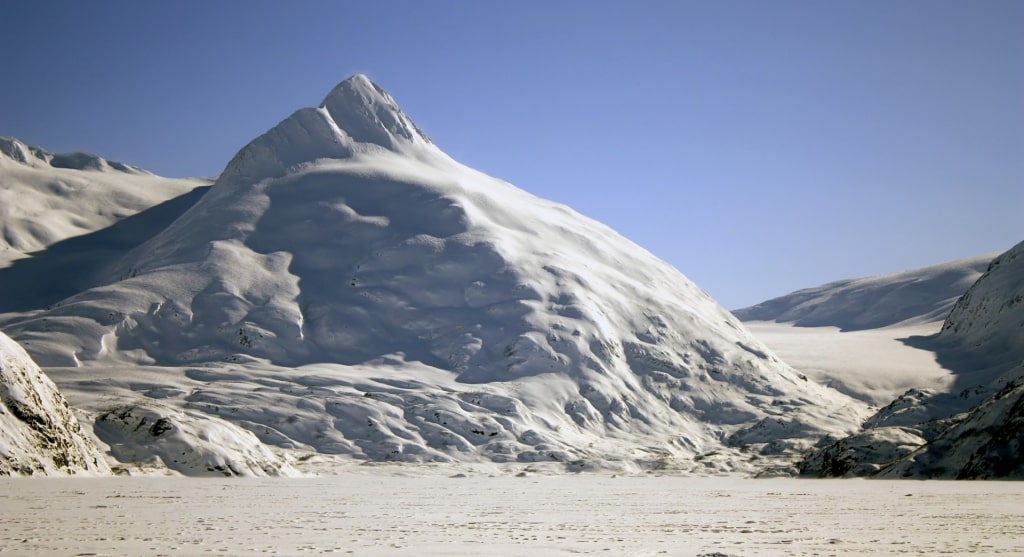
(916, 296)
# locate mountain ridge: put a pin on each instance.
(400, 303)
(907, 297)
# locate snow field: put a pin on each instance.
(380, 514)
(873, 365)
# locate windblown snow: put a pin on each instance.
(63, 218)
(347, 288)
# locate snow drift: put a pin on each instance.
(346, 287)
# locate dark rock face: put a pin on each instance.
(986, 444)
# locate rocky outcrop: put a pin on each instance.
(39, 434)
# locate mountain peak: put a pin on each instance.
(356, 116)
(368, 114)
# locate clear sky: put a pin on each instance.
(759, 147)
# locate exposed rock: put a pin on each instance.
(39, 434)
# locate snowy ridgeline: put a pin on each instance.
(974, 428)
(906, 298)
(347, 288)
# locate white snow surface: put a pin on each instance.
(39, 434)
(42, 203)
(345, 287)
(874, 365)
(533, 516)
(913, 297)
(64, 217)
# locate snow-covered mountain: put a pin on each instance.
(908, 297)
(63, 217)
(39, 435)
(972, 429)
(345, 287)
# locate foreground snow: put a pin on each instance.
(380, 514)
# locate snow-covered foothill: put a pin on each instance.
(39, 434)
(862, 454)
(347, 275)
(188, 442)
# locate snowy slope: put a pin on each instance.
(346, 287)
(62, 217)
(972, 429)
(909, 297)
(39, 435)
(46, 198)
(989, 318)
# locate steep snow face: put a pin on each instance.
(910, 297)
(368, 115)
(38, 433)
(344, 237)
(990, 316)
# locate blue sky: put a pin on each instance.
(759, 147)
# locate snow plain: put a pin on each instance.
(385, 514)
(874, 365)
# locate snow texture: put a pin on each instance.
(907, 298)
(345, 287)
(188, 442)
(39, 434)
(386, 513)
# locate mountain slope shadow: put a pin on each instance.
(72, 265)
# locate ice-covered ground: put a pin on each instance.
(874, 365)
(384, 514)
